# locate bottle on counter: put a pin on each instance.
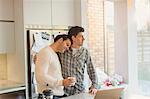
(48, 94)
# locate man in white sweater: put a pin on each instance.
(48, 69)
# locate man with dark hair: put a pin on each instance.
(48, 69)
(63, 36)
(74, 32)
(74, 62)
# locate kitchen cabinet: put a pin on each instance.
(6, 10)
(7, 37)
(6, 26)
(66, 12)
(12, 51)
(37, 12)
(13, 95)
(63, 12)
(52, 13)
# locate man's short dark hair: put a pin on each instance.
(63, 36)
(74, 31)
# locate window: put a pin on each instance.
(143, 33)
(101, 34)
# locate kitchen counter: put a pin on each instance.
(87, 95)
(80, 96)
(10, 86)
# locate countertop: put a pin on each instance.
(10, 86)
(87, 95)
(80, 96)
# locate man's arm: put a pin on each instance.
(42, 76)
(41, 70)
(92, 74)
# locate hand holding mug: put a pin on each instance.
(69, 81)
(73, 80)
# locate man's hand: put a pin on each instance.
(70, 81)
(34, 57)
(93, 91)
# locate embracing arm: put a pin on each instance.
(42, 76)
(41, 72)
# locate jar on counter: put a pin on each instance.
(48, 94)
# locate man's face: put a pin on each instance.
(65, 45)
(79, 39)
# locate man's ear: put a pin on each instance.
(73, 37)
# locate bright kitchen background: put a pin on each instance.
(101, 38)
(143, 34)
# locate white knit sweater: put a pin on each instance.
(48, 71)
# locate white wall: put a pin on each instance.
(126, 42)
(84, 20)
(78, 12)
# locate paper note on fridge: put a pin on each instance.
(42, 39)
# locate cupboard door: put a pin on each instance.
(63, 12)
(37, 12)
(7, 38)
(6, 10)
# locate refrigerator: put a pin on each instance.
(36, 40)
